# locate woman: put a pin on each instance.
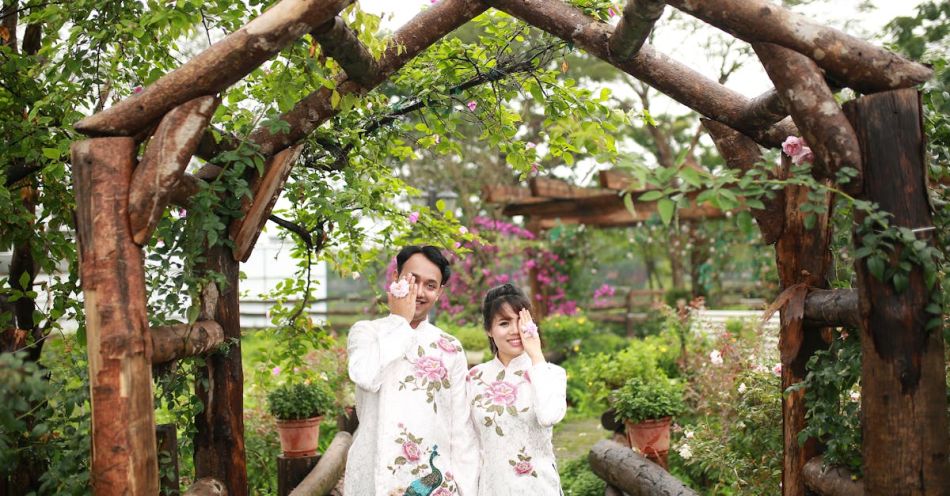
(516, 398)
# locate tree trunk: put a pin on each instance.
(124, 457)
(219, 438)
(167, 435)
(903, 386)
(622, 467)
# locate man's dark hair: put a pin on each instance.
(430, 252)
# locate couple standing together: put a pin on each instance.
(428, 425)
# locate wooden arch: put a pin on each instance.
(121, 196)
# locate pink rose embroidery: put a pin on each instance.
(502, 393)
(447, 346)
(523, 468)
(526, 376)
(431, 368)
(442, 492)
(411, 450)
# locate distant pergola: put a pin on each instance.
(121, 196)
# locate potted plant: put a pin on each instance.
(299, 407)
(646, 408)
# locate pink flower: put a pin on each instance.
(523, 468)
(457, 245)
(612, 12)
(431, 368)
(472, 105)
(793, 145)
(777, 369)
(436, 139)
(442, 492)
(530, 329)
(526, 376)
(433, 1)
(413, 217)
(463, 229)
(530, 145)
(399, 288)
(449, 476)
(534, 168)
(137, 90)
(502, 393)
(447, 346)
(275, 371)
(805, 156)
(411, 450)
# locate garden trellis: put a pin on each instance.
(120, 197)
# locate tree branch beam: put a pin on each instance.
(634, 27)
(340, 43)
(802, 87)
(851, 61)
(184, 340)
(830, 481)
(633, 473)
(216, 68)
(160, 170)
(832, 308)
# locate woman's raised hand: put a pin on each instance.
(530, 339)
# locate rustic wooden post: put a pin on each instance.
(167, 435)
(903, 387)
(290, 471)
(219, 440)
(124, 459)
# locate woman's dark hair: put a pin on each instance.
(430, 252)
(495, 299)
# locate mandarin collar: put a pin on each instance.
(520, 362)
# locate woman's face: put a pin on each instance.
(504, 331)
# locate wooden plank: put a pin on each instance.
(557, 189)
(245, 230)
(903, 386)
(163, 164)
(124, 458)
(603, 210)
(508, 194)
(620, 181)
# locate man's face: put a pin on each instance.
(429, 279)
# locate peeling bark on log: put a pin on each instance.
(832, 308)
(207, 486)
(209, 301)
(621, 467)
(340, 43)
(183, 340)
(634, 27)
(245, 229)
(167, 436)
(323, 478)
(219, 438)
(831, 481)
(124, 457)
(216, 68)
(903, 386)
(741, 153)
(670, 77)
(164, 162)
(803, 256)
(848, 60)
(814, 110)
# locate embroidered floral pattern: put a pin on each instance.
(496, 398)
(502, 393)
(445, 344)
(428, 374)
(522, 466)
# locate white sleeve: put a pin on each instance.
(465, 451)
(549, 384)
(374, 345)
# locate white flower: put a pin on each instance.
(355, 275)
(688, 434)
(855, 396)
(715, 357)
(400, 288)
(742, 388)
(685, 452)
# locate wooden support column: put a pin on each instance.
(167, 436)
(903, 386)
(219, 440)
(124, 459)
(291, 471)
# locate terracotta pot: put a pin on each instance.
(298, 438)
(651, 437)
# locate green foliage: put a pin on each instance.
(591, 377)
(24, 384)
(643, 399)
(472, 337)
(299, 400)
(577, 479)
(565, 333)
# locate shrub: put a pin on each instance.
(577, 479)
(472, 337)
(295, 401)
(565, 333)
(640, 399)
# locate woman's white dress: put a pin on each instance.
(513, 410)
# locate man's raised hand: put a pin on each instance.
(404, 304)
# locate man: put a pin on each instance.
(414, 437)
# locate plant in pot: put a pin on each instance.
(299, 408)
(646, 407)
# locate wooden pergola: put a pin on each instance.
(121, 196)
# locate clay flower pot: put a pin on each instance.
(298, 438)
(651, 437)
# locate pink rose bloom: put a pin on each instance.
(534, 168)
(431, 368)
(413, 217)
(777, 369)
(806, 155)
(502, 393)
(523, 468)
(793, 145)
(472, 105)
(137, 90)
(442, 492)
(411, 450)
(447, 346)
